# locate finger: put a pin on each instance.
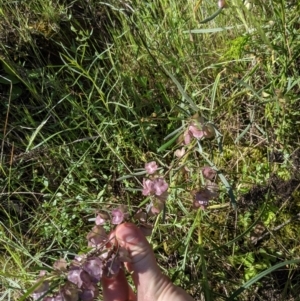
(146, 274)
(117, 288)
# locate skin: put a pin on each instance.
(149, 281)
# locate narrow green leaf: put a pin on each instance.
(243, 133)
(229, 190)
(183, 93)
(167, 144)
(208, 30)
(140, 173)
(214, 92)
(261, 275)
(174, 132)
(35, 133)
(214, 15)
(249, 88)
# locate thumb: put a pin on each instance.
(144, 270)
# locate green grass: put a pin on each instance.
(88, 93)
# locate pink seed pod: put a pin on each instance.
(208, 172)
(93, 266)
(89, 293)
(147, 187)
(117, 216)
(159, 186)
(179, 152)
(60, 265)
(79, 277)
(221, 3)
(101, 218)
(187, 137)
(195, 131)
(151, 167)
(201, 199)
(96, 236)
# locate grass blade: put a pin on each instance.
(209, 30)
(35, 133)
(168, 143)
(261, 275)
(183, 93)
(214, 15)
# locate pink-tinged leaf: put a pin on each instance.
(179, 152)
(42, 288)
(74, 276)
(93, 266)
(155, 210)
(42, 273)
(79, 277)
(90, 293)
(69, 292)
(159, 186)
(151, 167)
(97, 236)
(196, 132)
(201, 199)
(187, 137)
(221, 3)
(117, 216)
(86, 279)
(213, 188)
(147, 187)
(113, 266)
(101, 218)
(157, 206)
(78, 259)
(141, 216)
(201, 204)
(60, 265)
(208, 173)
(209, 131)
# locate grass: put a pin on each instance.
(90, 90)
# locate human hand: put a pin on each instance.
(149, 281)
